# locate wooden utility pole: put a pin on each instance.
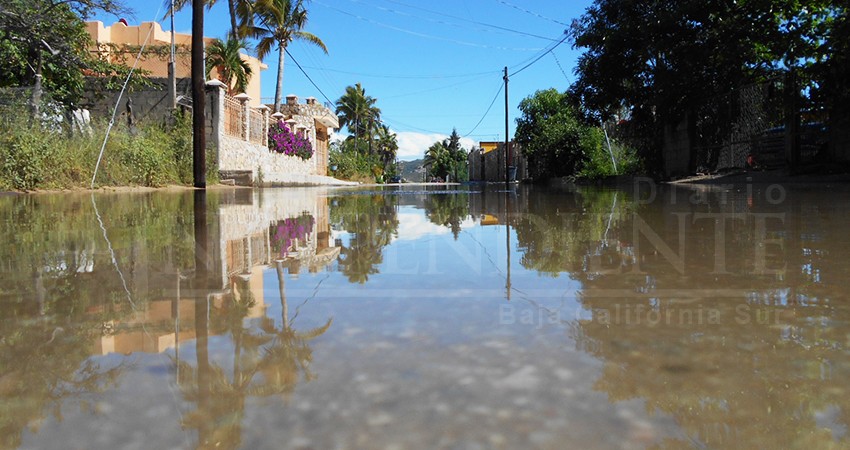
(172, 75)
(507, 137)
(199, 135)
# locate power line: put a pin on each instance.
(308, 76)
(542, 55)
(422, 35)
(405, 77)
(531, 12)
(472, 21)
(488, 110)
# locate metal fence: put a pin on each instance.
(233, 122)
(257, 127)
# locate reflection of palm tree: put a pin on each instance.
(448, 210)
(373, 221)
(266, 361)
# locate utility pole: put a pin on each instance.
(507, 137)
(199, 138)
(172, 75)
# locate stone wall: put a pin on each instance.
(151, 103)
(265, 165)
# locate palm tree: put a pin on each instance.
(355, 108)
(226, 58)
(387, 143)
(277, 23)
(436, 160)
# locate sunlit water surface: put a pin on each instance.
(468, 318)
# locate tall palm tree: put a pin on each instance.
(276, 23)
(355, 109)
(226, 58)
(387, 143)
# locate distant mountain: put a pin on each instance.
(409, 168)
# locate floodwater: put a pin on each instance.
(480, 317)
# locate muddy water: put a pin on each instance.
(470, 318)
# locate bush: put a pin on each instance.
(282, 140)
(347, 164)
(33, 156)
(598, 162)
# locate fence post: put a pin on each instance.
(265, 111)
(215, 103)
(246, 115)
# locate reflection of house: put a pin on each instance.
(240, 257)
(119, 43)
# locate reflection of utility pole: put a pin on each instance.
(284, 309)
(508, 244)
(201, 310)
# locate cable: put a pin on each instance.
(308, 76)
(438, 88)
(406, 77)
(531, 12)
(442, 22)
(541, 55)
(422, 35)
(501, 86)
(472, 21)
(117, 102)
(558, 62)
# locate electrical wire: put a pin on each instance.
(538, 58)
(519, 8)
(118, 101)
(422, 35)
(501, 86)
(308, 76)
(405, 77)
(473, 21)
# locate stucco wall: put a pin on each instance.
(237, 154)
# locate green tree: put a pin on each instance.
(387, 144)
(552, 136)
(226, 58)
(437, 160)
(44, 45)
(276, 23)
(357, 112)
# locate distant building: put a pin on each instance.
(487, 162)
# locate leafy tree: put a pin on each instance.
(44, 45)
(355, 109)
(437, 160)
(276, 23)
(226, 58)
(552, 136)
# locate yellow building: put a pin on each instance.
(120, 43)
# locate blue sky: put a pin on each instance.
(432, 66)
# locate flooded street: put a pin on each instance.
(439, 317)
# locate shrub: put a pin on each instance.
(25, 155)
(282, 140)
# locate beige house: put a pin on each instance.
(110, 39)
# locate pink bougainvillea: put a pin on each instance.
(283, 140)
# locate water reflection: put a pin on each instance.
(672, 318)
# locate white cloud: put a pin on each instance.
(412, 145)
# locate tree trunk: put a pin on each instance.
(37, 87)
(278, 92)
(199, 139)
(234, 29)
